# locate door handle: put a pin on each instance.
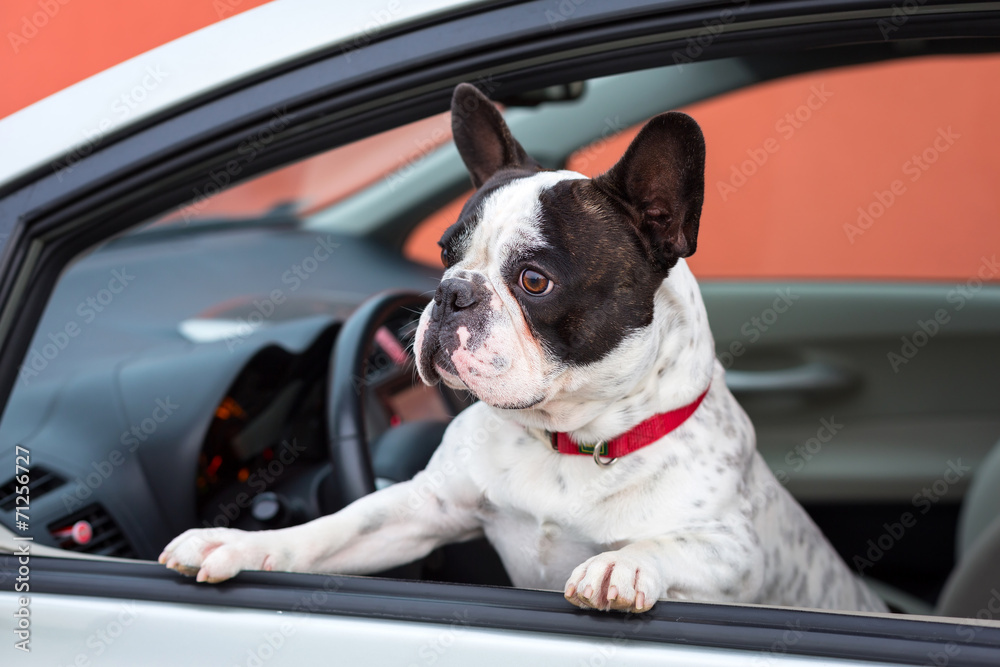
(812, 378)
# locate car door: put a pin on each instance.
(79, 611)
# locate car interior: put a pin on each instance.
(245, 361)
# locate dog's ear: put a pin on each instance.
(483, 139)
(662, 179)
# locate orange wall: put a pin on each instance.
(51, 44)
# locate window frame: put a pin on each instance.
(765, 631)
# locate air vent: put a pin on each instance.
(41, 481)
(93, 531)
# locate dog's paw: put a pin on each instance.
(614, 580)
(215, 554)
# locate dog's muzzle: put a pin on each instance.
(453, 307)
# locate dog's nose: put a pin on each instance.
(454, 294)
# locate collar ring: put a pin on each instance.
(597, 456)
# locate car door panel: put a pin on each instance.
(905, 416)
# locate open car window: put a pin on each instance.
(255, 309)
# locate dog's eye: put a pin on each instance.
(444, 257)
(535, 283)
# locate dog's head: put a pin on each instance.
(548, 271)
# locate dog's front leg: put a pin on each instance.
(708, 564)
(390, 527)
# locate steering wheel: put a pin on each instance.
(353, 474)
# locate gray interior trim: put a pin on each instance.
(908, 427)
(982, 503)
(972, 589)
(877, 308)
(899, 599)
(901, 457)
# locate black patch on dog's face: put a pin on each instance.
(604, 277)
(612, 240)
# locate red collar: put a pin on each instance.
(642, 434)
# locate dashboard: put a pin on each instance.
(244, 442)
(270, 424)
(269, 433)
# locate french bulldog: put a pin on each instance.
(605, 456)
